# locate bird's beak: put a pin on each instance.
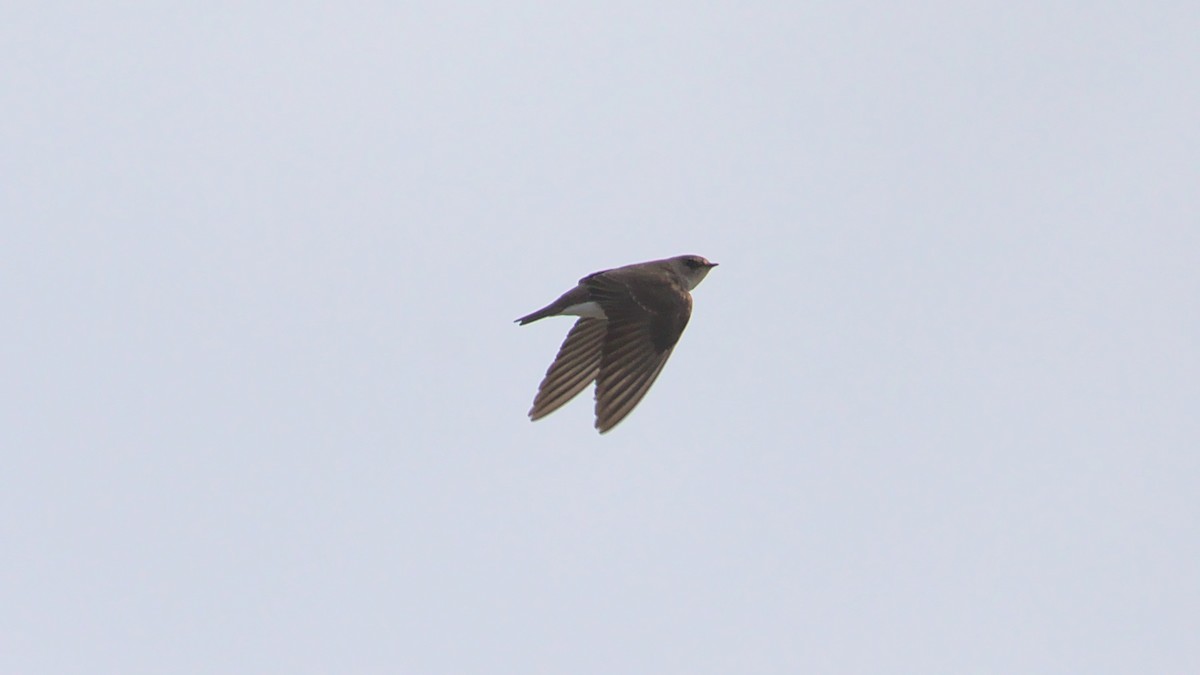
(713, 264)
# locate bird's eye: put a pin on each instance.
(692, 262)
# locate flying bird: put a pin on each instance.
(629, 321)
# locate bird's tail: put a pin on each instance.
(540, 314)
(532, 317)
(572, 297)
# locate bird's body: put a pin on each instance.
(629, 321)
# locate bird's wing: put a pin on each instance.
(573, 369)
(642, 328)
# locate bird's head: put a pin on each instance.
(692, 268)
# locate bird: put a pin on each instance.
(629, 321)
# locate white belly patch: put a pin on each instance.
(588, 309)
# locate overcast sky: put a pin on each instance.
(264, 406)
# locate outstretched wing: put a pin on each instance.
(642, 329)
(574, 368)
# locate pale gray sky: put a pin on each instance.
(264, 405)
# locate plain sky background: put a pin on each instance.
(264, 406)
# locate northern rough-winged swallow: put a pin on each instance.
(630, 319)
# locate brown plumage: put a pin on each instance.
(632, 317)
